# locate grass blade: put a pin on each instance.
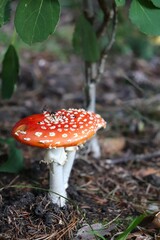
(133, 225)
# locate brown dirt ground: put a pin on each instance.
(111, 190)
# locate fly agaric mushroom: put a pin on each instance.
(60, 133)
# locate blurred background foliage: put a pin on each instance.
(129, 40)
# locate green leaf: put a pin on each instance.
(133, 225)
(9, 74)
(36, 20)
(120, 3)
(156, 3)
(85, 41)
(97, 234)
(145, 16)
(14, 162)
(3, 5)
(7, 13)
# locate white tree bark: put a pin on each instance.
(91, 74)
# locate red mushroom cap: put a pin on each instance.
(64, 128)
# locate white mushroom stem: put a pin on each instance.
(56, 158)
(94, 147)
(57, 192)
(71, 152)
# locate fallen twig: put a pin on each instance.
(10, 184)
(134, 158)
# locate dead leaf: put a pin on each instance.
(113, 145)
(156, 220)
(144, 172)
(87, 231)
(139, 236)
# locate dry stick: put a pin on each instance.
(135, 158)
(10, 184)
(142, 102)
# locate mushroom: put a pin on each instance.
(60, 133)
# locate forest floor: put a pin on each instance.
(105, 194)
